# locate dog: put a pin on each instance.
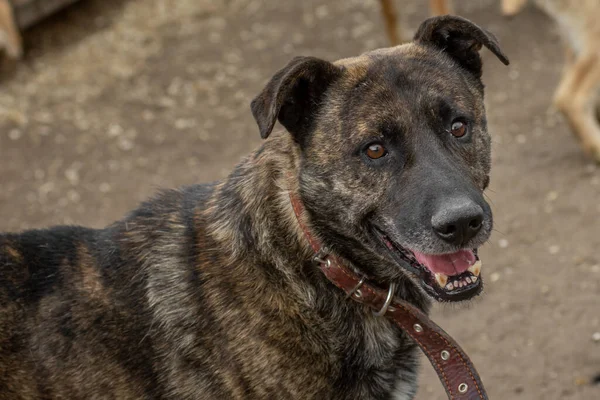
(576, 95)
(10, 37)
(390, 17)
(211, 291)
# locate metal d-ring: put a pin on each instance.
(388, 301)
(355, 289)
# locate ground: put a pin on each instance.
(117, 98)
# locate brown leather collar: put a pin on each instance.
(453, 366)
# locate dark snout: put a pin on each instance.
(457, 220)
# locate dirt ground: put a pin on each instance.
(117, 98)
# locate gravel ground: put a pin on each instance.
(117, 98)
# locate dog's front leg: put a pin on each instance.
(390, 18)
(440, 7)
(575, 98)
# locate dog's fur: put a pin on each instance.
(210, 292)
(390, 17)
(577, 94)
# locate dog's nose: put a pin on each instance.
(458, 221)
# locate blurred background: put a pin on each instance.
(115, 99)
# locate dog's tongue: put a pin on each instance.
(448, 264)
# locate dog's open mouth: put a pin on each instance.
(446, 277)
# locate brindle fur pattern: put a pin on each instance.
(210, 292)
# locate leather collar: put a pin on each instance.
(454, 368)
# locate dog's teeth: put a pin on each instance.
(468, 279)
(474, 279)
(449, 286)
(455, 284)
(441, 279)
(475, 269)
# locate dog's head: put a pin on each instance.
(395, 154)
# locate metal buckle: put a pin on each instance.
(356, 289)
(388, 301)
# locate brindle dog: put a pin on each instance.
(210, 292)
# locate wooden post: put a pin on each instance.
(29, 12)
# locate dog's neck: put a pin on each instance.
(262, 222)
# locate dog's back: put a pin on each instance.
(576, 95)
(64, 319)
(578, 21)
(73, 316)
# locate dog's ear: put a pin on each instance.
(460, 39)
(293, 95)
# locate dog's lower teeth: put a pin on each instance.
(459, 283)
(441, 279)
(475, 269)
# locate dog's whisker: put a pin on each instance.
(499, 232)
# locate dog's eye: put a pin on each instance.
(458, 128)
(375, 151)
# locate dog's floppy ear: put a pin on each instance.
(293, 95)
(460, 39)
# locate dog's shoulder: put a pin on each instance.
(169, 217)
(35, 262)
(182, 202)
